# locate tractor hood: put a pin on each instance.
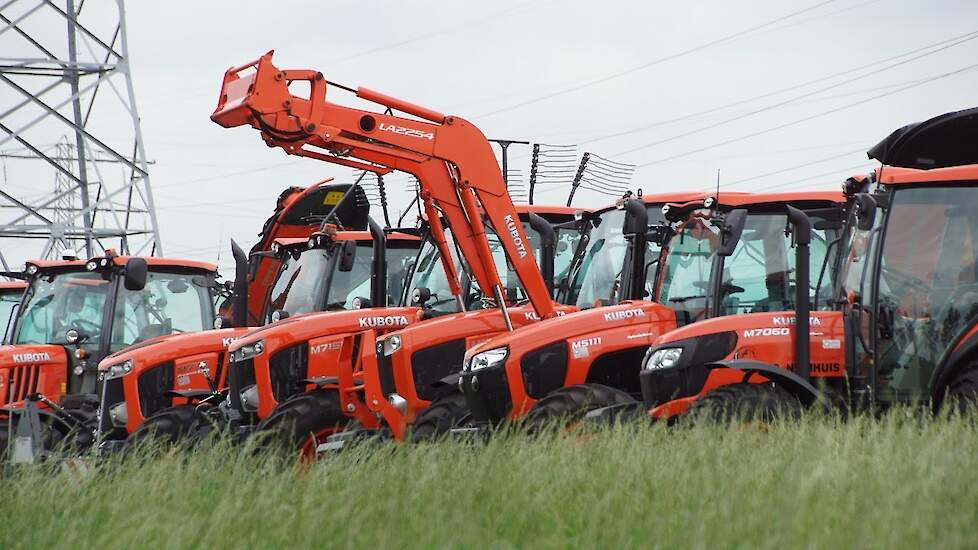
(945, 140)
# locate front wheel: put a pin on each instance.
(445, 413)
(168, 426)
(572, 403)
(962, 392)
(300, 423)
(745, 403)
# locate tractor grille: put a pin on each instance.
(20, 382)
(241, 374)
(544, 369)
(287, 368)
(111, 393)
(429, 366)
(153, 387)
(385, 370)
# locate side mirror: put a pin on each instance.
(865, 211)
(136, 273)
(733, 227)
(658, 234)
(348, 254)
(420, 296)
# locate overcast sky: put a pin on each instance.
(682, 88)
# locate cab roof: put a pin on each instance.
(351, 236)
(894, 175)
(152, 261)
(12, 285)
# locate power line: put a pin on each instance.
(654, 62)
(792, 183)
(969, 37)
(811, 117)
(779, 91)
(792, 168)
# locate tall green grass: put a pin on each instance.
(899, 482)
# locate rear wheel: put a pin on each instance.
(168, 426)
(572, 403)
(437, 420)
(746, 403)
(302, 422)
(962, 392)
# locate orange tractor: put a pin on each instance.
(162, 387)
(567, 367)
(10, 294)
(72, 314)
(460, 182)
(897, 322)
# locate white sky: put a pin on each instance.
(481, 60)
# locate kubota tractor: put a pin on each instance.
(898, 322)
(459, 179)
(169, 388)
(564, 368)
(72, 314)
(10, 294)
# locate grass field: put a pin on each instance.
(900, 482)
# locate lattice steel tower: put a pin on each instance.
(74, 173)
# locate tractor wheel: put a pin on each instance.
(570, 404)
(169, 426)
(747, 403)
(962, 391)
(450, 411)
(303, 421)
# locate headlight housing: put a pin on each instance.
(248, 351)
(117, 370)
(119, 415)
(664, 358)
(488, 359)
(249, 398)
(391, 344)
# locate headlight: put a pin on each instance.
(119, 415)
(91, 265)
(248, 351)
(391, 344)
(487, 359)
(118, 370)
(31, 269)
(664, 358)
(249, 398)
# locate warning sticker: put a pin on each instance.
(333, 198)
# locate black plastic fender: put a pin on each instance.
(796, 385)
(193, 395)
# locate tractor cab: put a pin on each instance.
(332, 270)
(74, 313)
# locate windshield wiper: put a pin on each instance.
(680, 299)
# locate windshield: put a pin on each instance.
(348, 285)
(598, 272)
(928, 284)
(62, 300)
(429, 273)
(8, 304)
(169, 303)
(301, 281)
(758, 276)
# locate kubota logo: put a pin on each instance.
(532, 315)
(515, 234)
(227, 341)
(329, 346)
(624, 314)
(385, 321)
(813, 321)
(402, 131)
(32, 357)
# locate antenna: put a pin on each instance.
(717, 197)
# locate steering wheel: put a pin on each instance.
(89, 328)
(905, 278)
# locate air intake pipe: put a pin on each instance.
(548, 243)
(803, 237)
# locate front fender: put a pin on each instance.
(796, 385)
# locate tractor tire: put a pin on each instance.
(962, 391)
(301, 422)
(169, 426)
(570, 404)
(445, 413)
(745, 403)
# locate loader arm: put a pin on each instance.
(451, 158)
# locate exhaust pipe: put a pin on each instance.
(239, 306)
(548, 242)
(803, 237)
(378, 271)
